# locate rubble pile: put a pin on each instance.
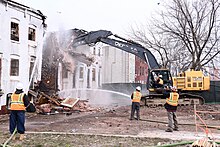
(58, 49)
(52, 104)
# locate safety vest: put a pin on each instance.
(173, 99)
(17, 102)
(136, 96)
(160, 81)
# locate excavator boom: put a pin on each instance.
(93, 37)
(155, 92)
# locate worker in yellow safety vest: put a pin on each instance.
(171, 106)
(135, 107)
(19, 101)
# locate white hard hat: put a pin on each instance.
(138, 88)
(160, 76)
(174, 88)
(19, 86)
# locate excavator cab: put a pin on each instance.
(158, 79)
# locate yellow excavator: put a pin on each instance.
(191, 87)
(190, 84)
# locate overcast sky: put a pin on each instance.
(113, 15)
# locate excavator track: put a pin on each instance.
(192, 99)
(154, 100)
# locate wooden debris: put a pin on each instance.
(51, 103)
(51, 98)
(44, 108)
(70, 102)
(32, 92)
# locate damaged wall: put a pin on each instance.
(65, 67)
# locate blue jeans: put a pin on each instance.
(17, 120)
(135, 107)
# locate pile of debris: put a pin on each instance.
(52, 104)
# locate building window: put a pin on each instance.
(14, 70)
(81, 72)
(14, 31)
(94, 51)
(99, 54)
(30, 71)
(31, 34)
(64, 72)
(93, 74)
(31, 66)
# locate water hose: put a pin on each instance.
(9, 139)
(176, 144)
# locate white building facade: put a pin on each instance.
(21, 39)
(118, 66)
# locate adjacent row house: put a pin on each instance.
(21, 38)
(118, 65)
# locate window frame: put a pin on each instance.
(64, 72)
(32, 27)
(81, 72)
(15, 35)
(16, 67)
(32, 62)
(93, 74)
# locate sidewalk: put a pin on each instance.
(177, 135)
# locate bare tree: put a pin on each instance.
(185, 34)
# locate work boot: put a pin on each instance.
(137, 118)
(21, 137)
(168, 130)
(176, 129)
(14, 137)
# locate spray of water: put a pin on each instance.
(98, 97)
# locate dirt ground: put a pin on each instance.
(112, 127)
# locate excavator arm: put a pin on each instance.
(93, 37)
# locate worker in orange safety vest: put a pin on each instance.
(171, 106)
(136, 98)
(19, 101)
